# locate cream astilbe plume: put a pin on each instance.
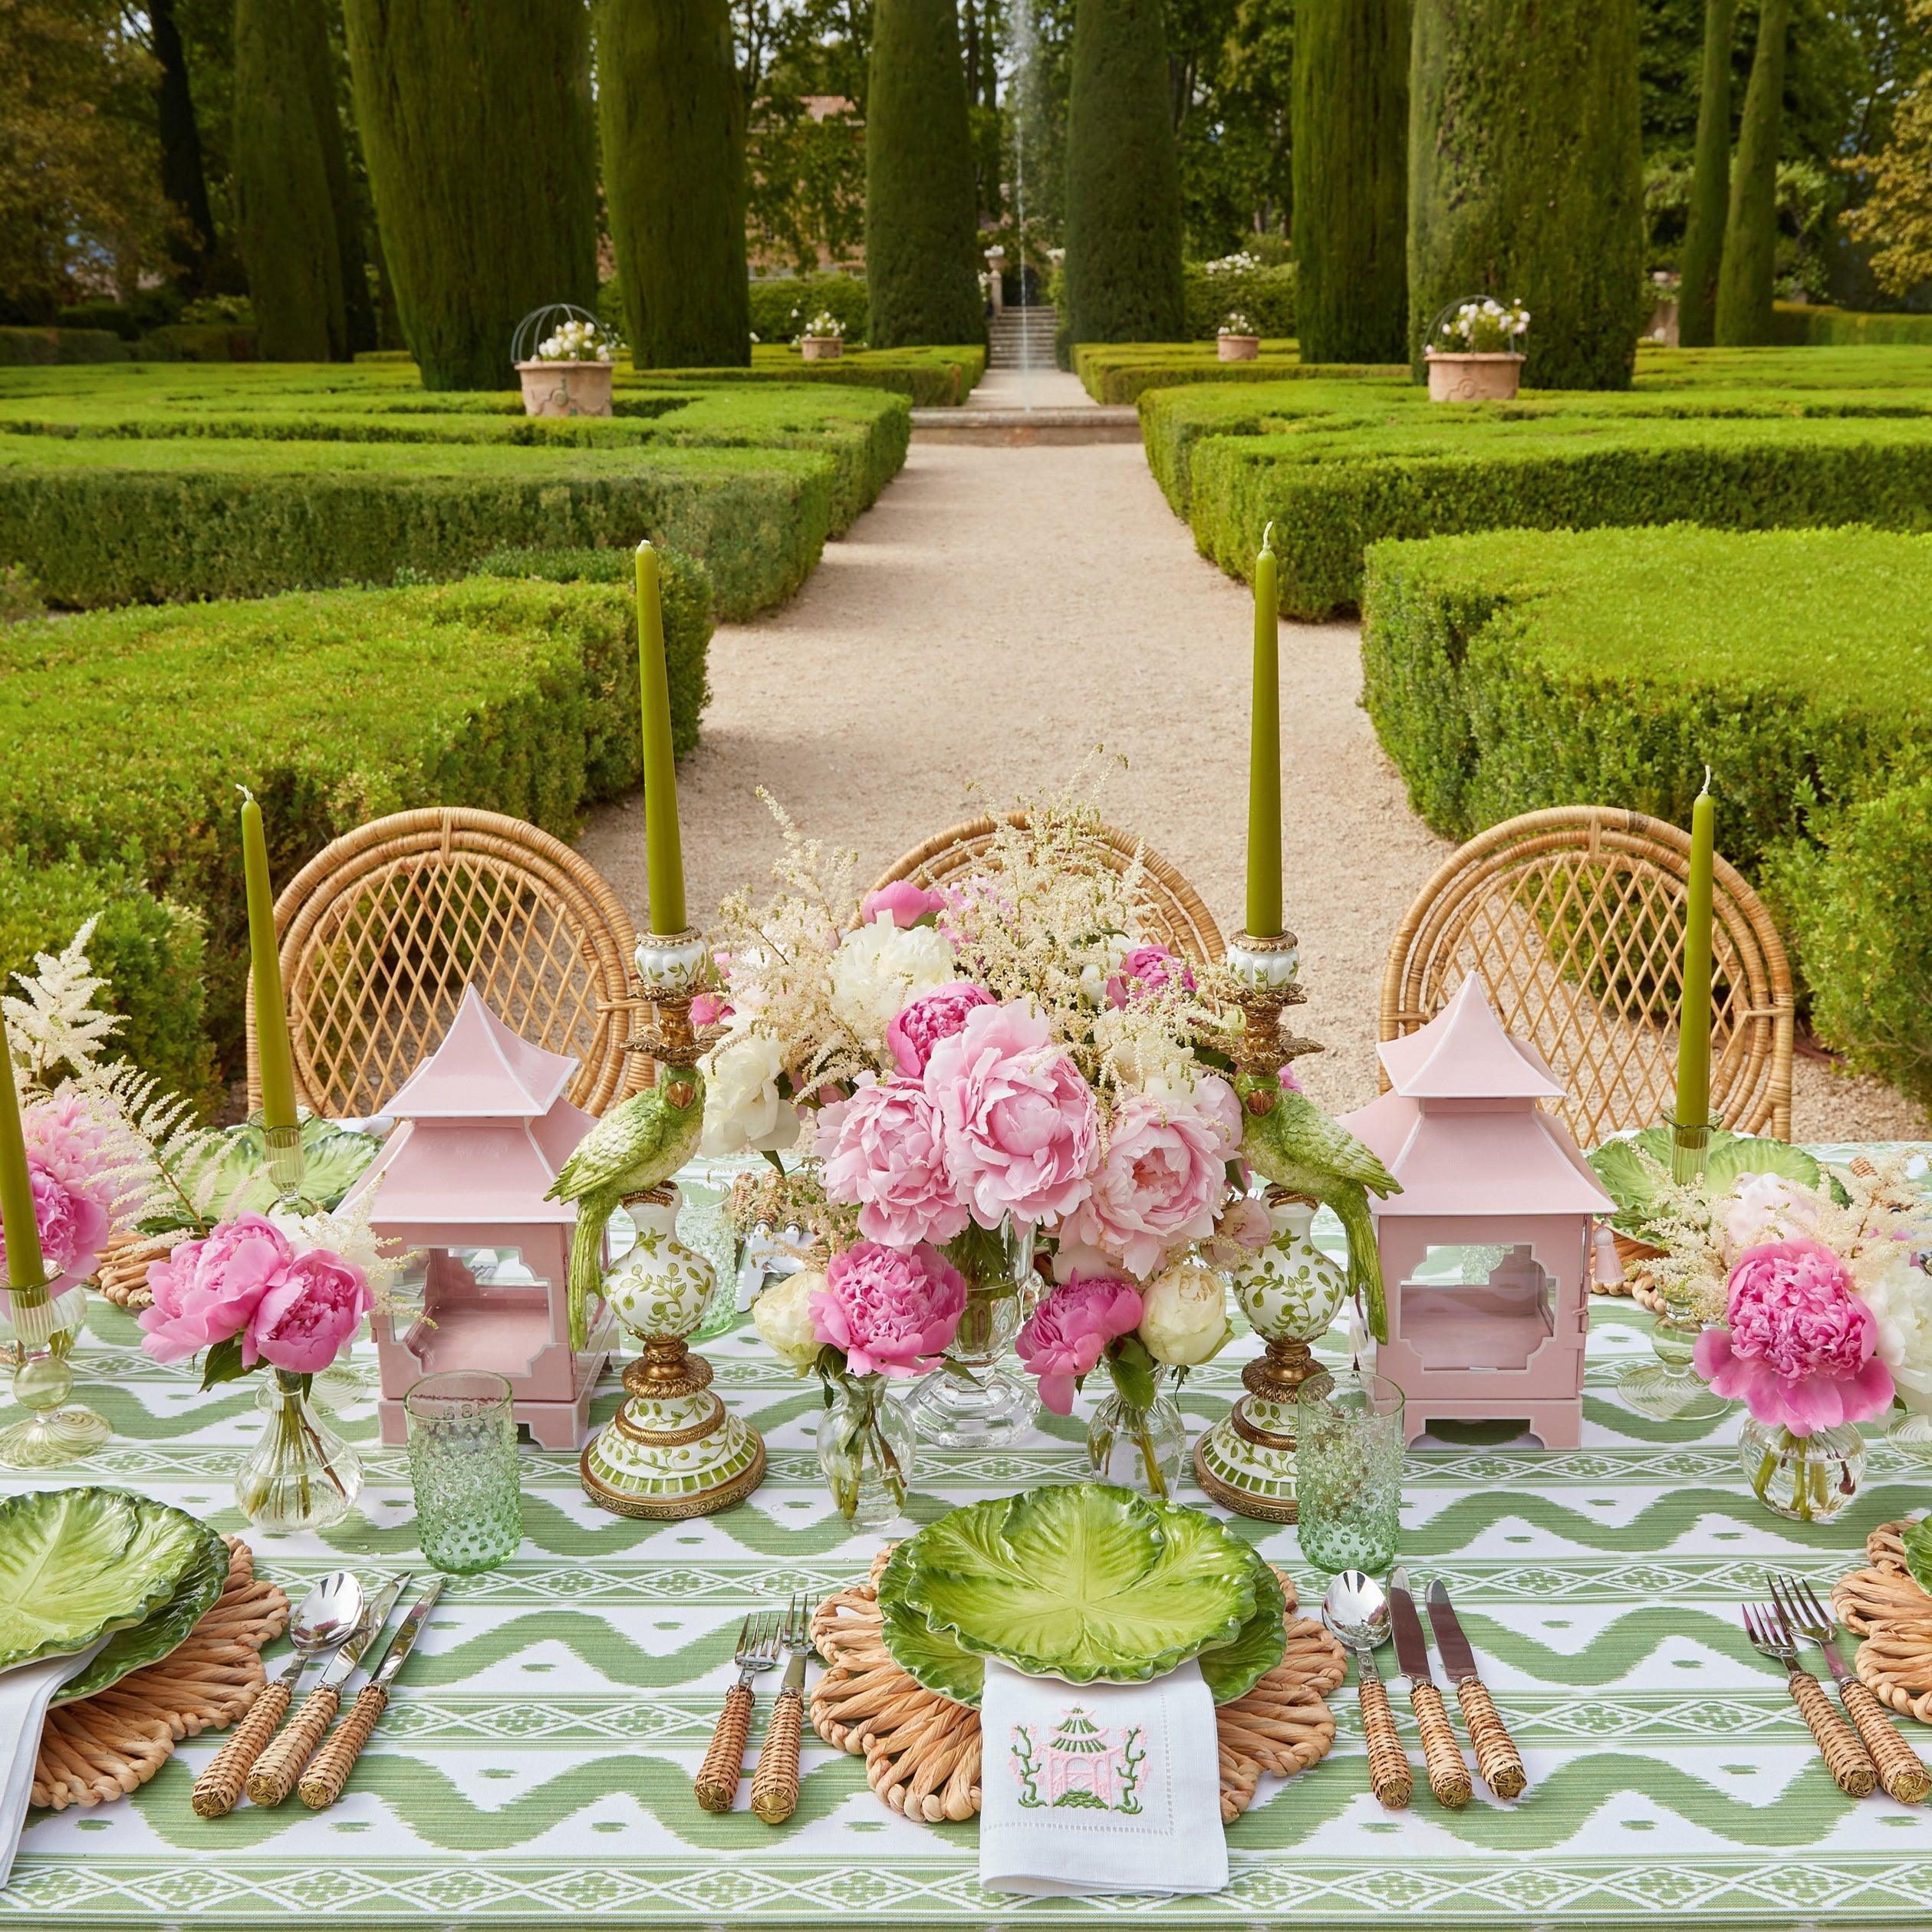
(55, 1027)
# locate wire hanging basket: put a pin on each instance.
(540, 324)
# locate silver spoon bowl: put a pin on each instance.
(324, 1619)
(1357, 1609)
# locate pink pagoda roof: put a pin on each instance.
(482, 1070)
(1464, 1054)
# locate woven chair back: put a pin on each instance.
(382, 929)
(1171, 910)
(1574, 918)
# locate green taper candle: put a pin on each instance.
(1693, 1016)
(1265, 756)
(25, 1268)
(277, 1064)
(663, 855)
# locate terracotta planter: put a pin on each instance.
(820, 348)
(566, 388)
(1237, 348)
(1471, 376)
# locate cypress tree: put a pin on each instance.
(1123, 218)
(184, 180)
(1710, 190)
(922, 221)
(477, 132)
(672, 120)
(1526, 177)
(1744, 280)
(287, 213)
(1350, 178)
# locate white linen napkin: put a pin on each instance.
(1099, 1788)
(24, 1694)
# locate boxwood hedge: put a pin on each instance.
(1514, 670)
(334, 707)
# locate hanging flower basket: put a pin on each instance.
(1473, 350)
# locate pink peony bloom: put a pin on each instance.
(310, 1309)
(919, 1026)
(882, 1153)
(1066, 1334)
(1286, 1079)
(64, 1138)
(1798, 1349)
(1019, 1123)
(1146, 969)
(1161, 1179)
(207, 1291)
(1241, 1233)
(905, 903)
(73, 1225)
(892, 1313)
(709, 1009)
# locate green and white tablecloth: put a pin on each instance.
(536, 1764)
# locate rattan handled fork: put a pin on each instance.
(1845, 1754)
(1902, 1772)
(716, 1784)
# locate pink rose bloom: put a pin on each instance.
(882, 1153)
(1146, 969)
(905, 903)
(1160, 1184)
(916, 1028)
(892, 1313)
(206, 1291)
(310, 1309)
(1020, 1125)
(1066, 1335)
(73, 1225)
(1799, 1350)
(1765, 1207)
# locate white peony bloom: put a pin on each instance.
(1900, 1299)
(1184, 1314)
(743, 1109)
(783, 1320)
(878, 970)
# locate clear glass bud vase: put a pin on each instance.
(976, 1399)
(866, 1446)
(1804, 1478)
(301, 1474)
(1139, 1448)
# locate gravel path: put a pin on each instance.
(999, 612)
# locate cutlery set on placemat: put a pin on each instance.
(765, 1636)
(340, 1620)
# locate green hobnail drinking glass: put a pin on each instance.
(1348, 1452)
(463, 1463)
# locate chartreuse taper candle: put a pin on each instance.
(1265, 755)
(25, 1268)
(273, 1058)
(1694, 1013)
(663, 855)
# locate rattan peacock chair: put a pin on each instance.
(1574, 918)
(1171, 910)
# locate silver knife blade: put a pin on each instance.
(347, 1658)
(406, 1633)
(1411, 1646)
(1458, 1657)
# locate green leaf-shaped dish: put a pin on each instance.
(228, 1167)
(1082, 1582)
(1633, 1186)
(152, 1639)
(77, 1564)
(934, 1659)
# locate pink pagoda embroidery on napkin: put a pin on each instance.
(1081, 1765)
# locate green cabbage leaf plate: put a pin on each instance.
(1083, 1581)
(78, 1564)
(227, 1168)
(158, 1634)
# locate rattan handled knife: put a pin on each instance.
(1497, 1760)
(328, 1770)
(1448, 1774)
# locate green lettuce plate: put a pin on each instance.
(934, 1659)
(78, 1564)
(161, 1632)
(1082, 1582)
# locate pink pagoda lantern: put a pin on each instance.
(1486, 1250)
(460, 1183)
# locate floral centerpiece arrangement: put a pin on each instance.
(1484, 327)
(1235, 323)
(575, 341)
(993, 1067)
(1820, 1309)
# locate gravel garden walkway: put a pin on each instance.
(998, 614)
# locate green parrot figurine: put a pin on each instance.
(1288, 1140)
(638, 1144)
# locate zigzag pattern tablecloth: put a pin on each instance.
(536, 1763)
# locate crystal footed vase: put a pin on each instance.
(866, 1447)
(37, 1328)
(976, 1399)
(1139, 1447)
(1670, 1389)
(1804, 1478)
(301, 1474)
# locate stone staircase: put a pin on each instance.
(1022, 338)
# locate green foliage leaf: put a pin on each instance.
(1918, 1553)
(223, 1363)
(1132, 1369)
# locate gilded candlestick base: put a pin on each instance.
(1267, 970)
(1246, 1461)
